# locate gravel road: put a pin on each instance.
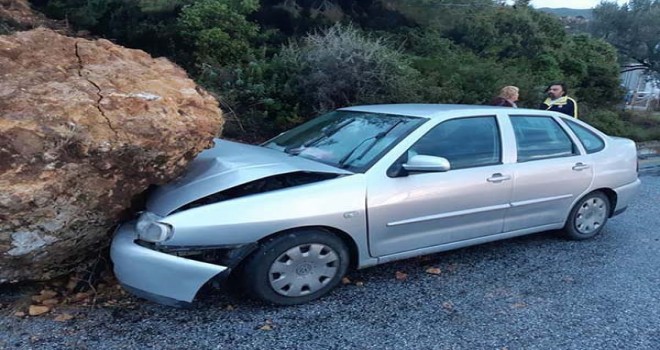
(534, 292)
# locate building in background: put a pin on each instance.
(642, 88)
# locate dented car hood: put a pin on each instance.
(226, 165)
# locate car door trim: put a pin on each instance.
(540, 200)
(448, 215)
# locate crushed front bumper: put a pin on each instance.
(157, 276)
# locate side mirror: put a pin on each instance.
(424, 163)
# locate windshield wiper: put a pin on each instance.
(325, 133)
(343, 161)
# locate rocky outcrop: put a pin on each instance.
(84, 126)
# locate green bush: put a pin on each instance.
(607, 121)
(328, 69)
(217, 31)
(341, 66)
(255, 99)
(642, 125)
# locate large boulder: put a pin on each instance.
(84, 127)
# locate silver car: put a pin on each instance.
(366, 185)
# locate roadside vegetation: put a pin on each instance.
(276, 63)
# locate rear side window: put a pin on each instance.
(464, 142)
(591, 142)
(541, 138)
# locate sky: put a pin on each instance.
(575, 4)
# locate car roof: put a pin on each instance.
(423, 110)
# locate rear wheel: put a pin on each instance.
(588, 217)
(296, 267)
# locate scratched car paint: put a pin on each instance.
(366, 185)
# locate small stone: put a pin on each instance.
(63, 317)
(448, 306)
(36, 310)
(80, 296)
(50, 302)
(401, 276)
(44, 295)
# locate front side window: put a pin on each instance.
(591, 142)
(541, 138)
(464, 142)
(347, 139)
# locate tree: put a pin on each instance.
(590, 68)
(633, 28)
(218, 31)
(488, 48)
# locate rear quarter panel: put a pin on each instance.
(616, 165)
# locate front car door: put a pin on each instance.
(551, 171)
(426, 209)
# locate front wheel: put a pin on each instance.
(296, 267)
(588, 216)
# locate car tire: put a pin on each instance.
(588, 216)
(295, 267)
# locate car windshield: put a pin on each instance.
(346, 139)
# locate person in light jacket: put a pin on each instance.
(507, 97)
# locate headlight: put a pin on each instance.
(156, 232)
(150, 230)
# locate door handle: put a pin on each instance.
(498, 177)
(579, 166)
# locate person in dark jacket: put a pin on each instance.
(507, 97)
(559, 101)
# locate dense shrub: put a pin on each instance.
(256, 98)
(217, 31)
(637, 125)
(336, 67)
(341, 66)
(607, 121)
(642, 125)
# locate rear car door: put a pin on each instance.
(550, 172)
(426, 209)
